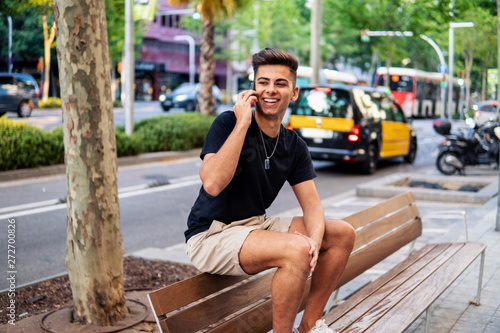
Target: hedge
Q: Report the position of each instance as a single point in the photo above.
(25, 146)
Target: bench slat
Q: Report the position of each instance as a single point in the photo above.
(371, 214)
(179, 294)
(446, 261)
(422, 296)
(385, 225)
(379, 250)
(373, 305)
(257, 319)
(220, 306)
(361, 295)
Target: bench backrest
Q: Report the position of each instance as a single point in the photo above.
(243, 304)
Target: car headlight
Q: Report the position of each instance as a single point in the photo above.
(162, 98)
(180, 98)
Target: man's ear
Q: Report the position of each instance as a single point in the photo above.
(295, 94)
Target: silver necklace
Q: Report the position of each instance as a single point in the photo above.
(267, 165)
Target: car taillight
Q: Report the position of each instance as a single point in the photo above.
(494, 103)
(37, 93)
(477, 114)
(323, 89)
(354, 134)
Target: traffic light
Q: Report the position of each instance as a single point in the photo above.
(196, 16)
(365, 38)
(443, 81)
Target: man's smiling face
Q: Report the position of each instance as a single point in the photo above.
(275, 87)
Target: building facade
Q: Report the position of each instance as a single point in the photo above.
(163, 63)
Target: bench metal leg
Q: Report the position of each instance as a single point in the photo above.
(477, 301)
(427, 319)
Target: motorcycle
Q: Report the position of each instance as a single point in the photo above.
(473, 146)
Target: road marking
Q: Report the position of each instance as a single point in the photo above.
(128, 192)
(30, 205)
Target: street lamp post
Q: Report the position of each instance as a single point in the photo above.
(9, 19)
(128, 69)
(442, 69)
(453, 25)
(192, 65)
(316, 17)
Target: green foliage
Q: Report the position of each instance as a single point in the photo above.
(26, 43)
(117, 103)
(125, 145)
(25, 146)
(51, 103)
(176, 132)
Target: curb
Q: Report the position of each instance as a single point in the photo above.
(60, 169)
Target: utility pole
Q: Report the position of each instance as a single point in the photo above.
(316, 17)
(497, 225)
(9, 19)
(128, 68)
(453, 25)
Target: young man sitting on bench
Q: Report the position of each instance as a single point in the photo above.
(247, 157)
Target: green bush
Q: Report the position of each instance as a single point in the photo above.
(117, 103)
(51, 103)
(125, 145)
(25, 146)
(172, 133)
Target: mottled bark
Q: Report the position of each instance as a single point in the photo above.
(206, 100)
(94, 253)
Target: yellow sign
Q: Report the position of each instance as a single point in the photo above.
(144, 10)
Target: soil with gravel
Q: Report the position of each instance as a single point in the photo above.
(139, 274)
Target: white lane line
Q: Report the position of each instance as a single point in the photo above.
(121, 195)
(30, 205)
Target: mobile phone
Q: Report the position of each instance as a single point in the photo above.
(253, 88)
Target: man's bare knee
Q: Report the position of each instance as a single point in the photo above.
(297, 254)
(339, 234)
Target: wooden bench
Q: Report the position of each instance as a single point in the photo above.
(390, 303)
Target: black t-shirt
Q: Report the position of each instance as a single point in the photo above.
(253, 188)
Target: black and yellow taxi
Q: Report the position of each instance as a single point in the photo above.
(352, 124)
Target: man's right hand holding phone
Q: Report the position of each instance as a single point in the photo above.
(243, 107)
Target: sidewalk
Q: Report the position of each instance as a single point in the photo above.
(452, 312)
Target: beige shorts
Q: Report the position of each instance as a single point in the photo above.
(217, 250)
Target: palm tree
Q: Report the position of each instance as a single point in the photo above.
(210, 11)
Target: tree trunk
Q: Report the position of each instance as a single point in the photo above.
(94, 252)
(206, 100)
(47, 42)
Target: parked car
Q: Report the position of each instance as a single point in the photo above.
(352, 124)
(18, 93)
(185, 96)
(485, 111)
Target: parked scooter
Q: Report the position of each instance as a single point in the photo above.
(473, 146)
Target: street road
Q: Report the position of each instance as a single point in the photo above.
(155, 200)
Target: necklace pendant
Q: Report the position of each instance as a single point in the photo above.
(266, 164)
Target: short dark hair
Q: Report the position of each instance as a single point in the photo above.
(269, 56)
